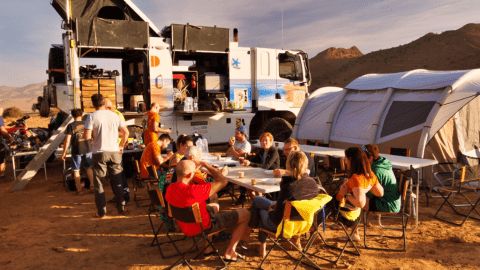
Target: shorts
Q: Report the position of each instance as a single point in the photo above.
(225, 220)
(77, 161)
(372, 205)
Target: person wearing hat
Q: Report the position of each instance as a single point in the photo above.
(239, 146)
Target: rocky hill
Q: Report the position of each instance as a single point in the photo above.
(21, 97)
(450, 50)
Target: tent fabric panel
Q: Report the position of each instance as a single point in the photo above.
(405, 114)
(318, 108)
(419, 79)
(130, 34)
(354, 120)
(454, 102)
(467, 126)
(377, 95)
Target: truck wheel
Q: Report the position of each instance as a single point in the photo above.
(279, 127)
(44, 108)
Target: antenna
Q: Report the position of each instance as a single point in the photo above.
(282, 27)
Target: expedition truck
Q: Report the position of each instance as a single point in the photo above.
(262, 89)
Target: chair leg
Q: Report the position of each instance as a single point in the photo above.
(446, 201)
(403, 236)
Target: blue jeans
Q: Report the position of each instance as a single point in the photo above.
(259, 217)
(77, 161)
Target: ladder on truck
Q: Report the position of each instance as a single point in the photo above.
(41, 157)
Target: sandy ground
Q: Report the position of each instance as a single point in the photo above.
(45, 227)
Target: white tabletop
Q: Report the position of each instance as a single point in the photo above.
(398, 162)
(254, 173)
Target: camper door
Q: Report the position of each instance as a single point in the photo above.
(265, 78)
(161, 83)
(292, 78)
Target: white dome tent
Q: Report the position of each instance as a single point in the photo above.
(435, 114)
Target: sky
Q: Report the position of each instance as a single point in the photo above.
(29, 27)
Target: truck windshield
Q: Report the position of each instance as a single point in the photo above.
(290, 67)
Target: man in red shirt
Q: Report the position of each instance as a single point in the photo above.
(182, 194)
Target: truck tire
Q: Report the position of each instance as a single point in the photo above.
(44, 108)
(279, 127)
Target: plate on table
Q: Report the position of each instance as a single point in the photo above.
(269, 181)
(269, 172)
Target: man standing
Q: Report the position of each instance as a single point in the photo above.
(4, 133)
(182, 194)
(126, 191)
(152, 155)
(103, 126)
(81, 149)
(151, 124)
(289, 146)
(239, 146)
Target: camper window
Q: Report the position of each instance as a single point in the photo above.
(405, 114)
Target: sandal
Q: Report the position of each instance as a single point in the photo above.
(240, 258)
(96, 215)
(80, 192)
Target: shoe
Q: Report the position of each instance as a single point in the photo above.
(124, 212)
(113, 200)
(241, 200)
(240, 258)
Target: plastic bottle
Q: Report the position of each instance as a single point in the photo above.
(205, 145)
(195, 105)
(135, 144)
(198, 143)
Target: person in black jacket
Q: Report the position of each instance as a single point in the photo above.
(267, 158)
(298, 185)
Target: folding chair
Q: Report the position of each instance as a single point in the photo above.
(159, 210)
(335, 173)
(137, 179)
(468, 174)
(191, 214)
(403, 187)
(276, 240)
(343, 249)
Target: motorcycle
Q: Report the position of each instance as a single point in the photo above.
(24, 137)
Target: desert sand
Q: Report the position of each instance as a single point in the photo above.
(45, 227)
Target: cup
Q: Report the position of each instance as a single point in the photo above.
(219, 157)
(241, 174)
(241, 159)
(254, 182)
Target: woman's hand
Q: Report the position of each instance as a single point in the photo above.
(246, 162)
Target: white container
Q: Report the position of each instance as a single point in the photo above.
(188, 104)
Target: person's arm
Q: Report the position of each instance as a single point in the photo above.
(66, 144)
(377, 190)
(219, 182)
(124, 138)
(5, 133)
(358, 197)
(157, 128)
(87, 134)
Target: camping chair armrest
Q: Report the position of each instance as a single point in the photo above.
(468, 187)
(447, 190)
(267, 232)
(215, 233)
(470, 180)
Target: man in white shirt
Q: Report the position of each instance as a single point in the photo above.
(102, 127)
(239, 146)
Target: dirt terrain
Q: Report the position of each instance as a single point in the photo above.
(45, 227)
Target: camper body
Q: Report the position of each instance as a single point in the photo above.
(262, 89)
